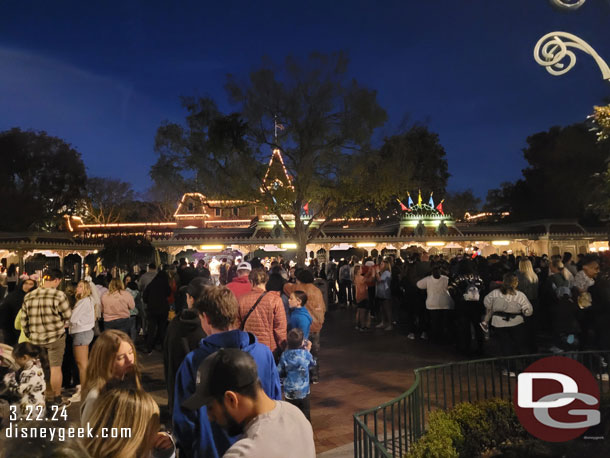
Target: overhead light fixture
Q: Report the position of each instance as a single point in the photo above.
(500, 243)
(366, 245)
(211, 247)
(289, 246)
(435, 243)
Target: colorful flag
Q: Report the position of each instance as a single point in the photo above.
(431, 201)
(419, 198)
(439, 207)
(410, 201)
(306, 208)
(402, 206)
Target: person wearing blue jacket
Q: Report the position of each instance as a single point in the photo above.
(299, 315)
(196, 436)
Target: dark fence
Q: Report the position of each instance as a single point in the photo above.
(389, 430)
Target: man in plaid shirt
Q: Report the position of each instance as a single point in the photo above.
(44, 316)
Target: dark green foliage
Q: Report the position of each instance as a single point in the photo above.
(41, 178)
(565, 167)
(468, 430)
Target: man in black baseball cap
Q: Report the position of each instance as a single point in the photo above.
(228, 385)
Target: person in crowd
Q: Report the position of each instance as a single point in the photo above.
(345, 284)
(438, 304)
(69, 368)
(361, 283)
(316, 307)
(261, 312)
(507, 307)
(116, 306)
(143, 282)
(276, 283)
(600, 294)
(82, 322)
(466, 289)
(44, 316)
(529, 285)
(215, 270)
(331, 278)
(12, 278)
(299, 316)
(184, 333)
(132, 288)
(569, 263)
(156, 298)
(10, 308)
(229, 386)
(133, 410)
(113, 359)
(27, 386)
(383, 294)
(241, 285)
(294, 367)
(196, 434)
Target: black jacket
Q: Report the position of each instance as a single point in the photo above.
(184, 333)
(8, 312)
(156, 294)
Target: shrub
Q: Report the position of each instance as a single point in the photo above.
(467, 430)
(440, 440)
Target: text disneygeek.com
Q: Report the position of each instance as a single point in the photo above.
(62, 433)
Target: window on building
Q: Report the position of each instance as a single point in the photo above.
(252, 211)
(235, 211)
(217, 212)
(191, 207)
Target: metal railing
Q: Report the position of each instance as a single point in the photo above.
(389, 430)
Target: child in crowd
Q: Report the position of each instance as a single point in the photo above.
(27, 385)
(294, 366)
(299, 316)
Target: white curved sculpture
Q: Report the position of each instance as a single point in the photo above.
(553, 49)
(568, 4)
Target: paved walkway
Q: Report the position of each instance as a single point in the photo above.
(358, 370)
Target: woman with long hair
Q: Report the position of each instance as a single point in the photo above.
(507, 307)
(116, 306)
(126, 409)
(82, 322)
(113, 358)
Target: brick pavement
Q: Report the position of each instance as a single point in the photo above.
(358, 370)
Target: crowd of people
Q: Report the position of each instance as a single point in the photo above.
(241, 348)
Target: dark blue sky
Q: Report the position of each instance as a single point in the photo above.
(104, 77)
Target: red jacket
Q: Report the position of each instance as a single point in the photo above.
(268, 320)
(240, 286)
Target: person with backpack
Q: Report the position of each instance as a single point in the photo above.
(466, 289)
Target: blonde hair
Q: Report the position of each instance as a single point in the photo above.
(116, 285)
(124, 408)
(525, 267)
(86, 290)
(102, 357)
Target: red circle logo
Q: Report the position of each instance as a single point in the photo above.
(557, 399)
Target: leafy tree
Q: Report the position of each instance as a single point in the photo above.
(106, 200)
(406, 162)
(325, 122)
(458, 203)
(565, 166)
(41, 179)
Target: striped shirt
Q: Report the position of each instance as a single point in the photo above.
(44, 315)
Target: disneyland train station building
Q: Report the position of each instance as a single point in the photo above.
(204, 227)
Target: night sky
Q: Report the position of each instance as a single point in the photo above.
(104, 78)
